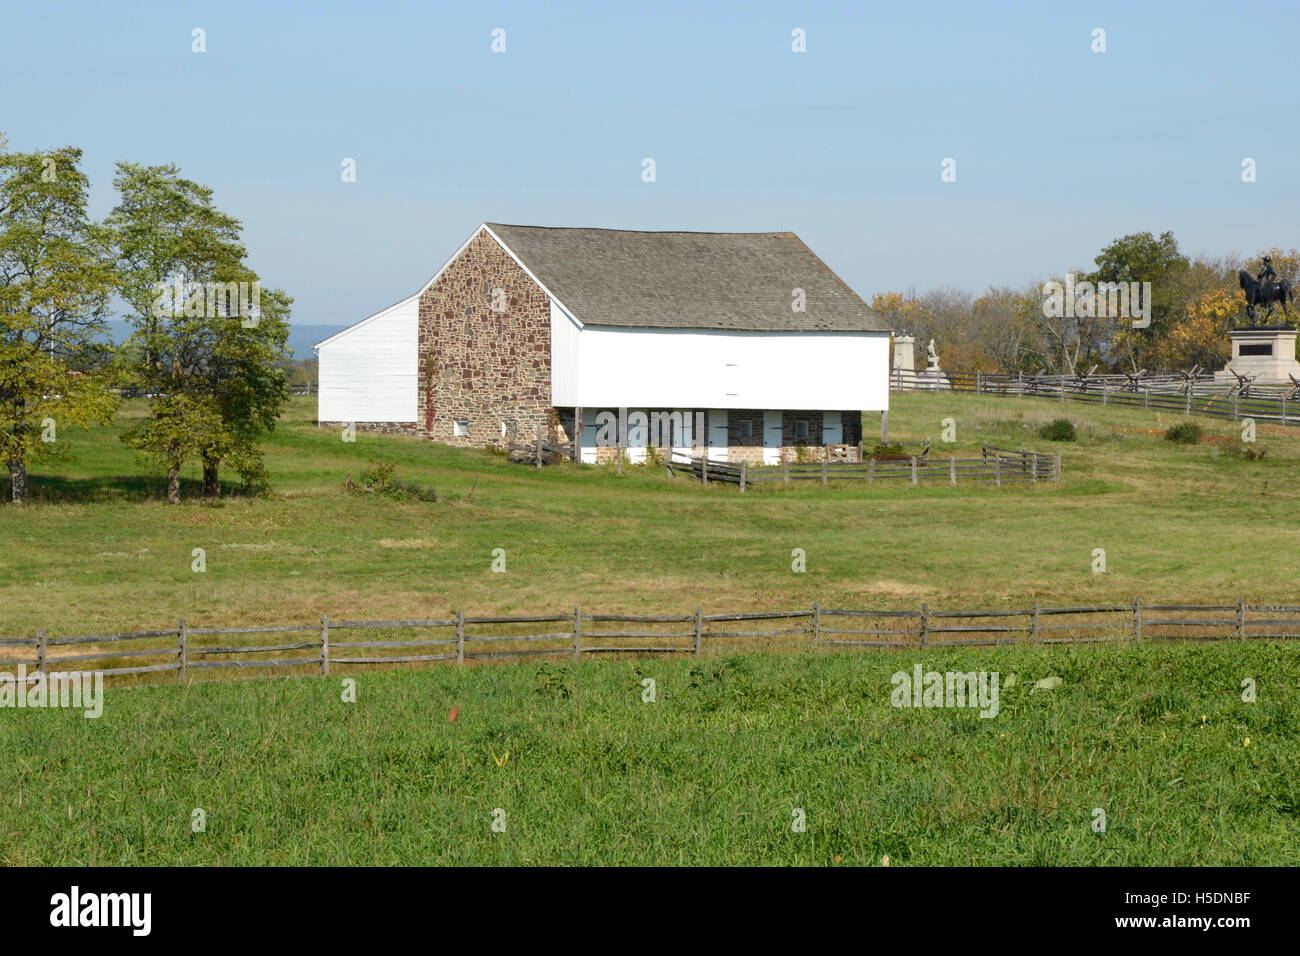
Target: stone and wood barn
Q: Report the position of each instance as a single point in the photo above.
(528, 325)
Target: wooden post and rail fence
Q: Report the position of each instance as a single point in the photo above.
(316, 647)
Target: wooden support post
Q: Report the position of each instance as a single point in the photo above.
(997, 471)
(699, 630)
(1058, 467)
(577, 633)
(860, 447)
(577, 435)
(1283, 409)
(324, 645)
(1033, 631)
(884, 427)
(1146, 401)
(978, 388)
(786, 465)
(952, 469)
(913, 469)
(817, 622)
(826, 463)
(1105, 392)
(1241, 619)
(925, 625)
(1137, 619)
(1234, 406)
(1020, 384)
(460, 638)
(1187, 407)
(744, 472)
(871, 471)
(41, 650)
(182, 652)
(1033, 474)
(704, 467)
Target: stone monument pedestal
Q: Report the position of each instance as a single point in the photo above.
(1266, 352)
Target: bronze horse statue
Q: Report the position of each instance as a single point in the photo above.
(1265, 293)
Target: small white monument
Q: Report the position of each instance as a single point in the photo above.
(904, 355)
(933, 377)
(1262, 353)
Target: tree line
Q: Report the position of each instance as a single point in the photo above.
(207, 343)
(1194, 301)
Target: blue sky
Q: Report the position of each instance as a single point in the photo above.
(1058, 149)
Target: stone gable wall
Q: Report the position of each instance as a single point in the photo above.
(481, 365)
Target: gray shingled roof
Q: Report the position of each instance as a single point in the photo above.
(689, 280)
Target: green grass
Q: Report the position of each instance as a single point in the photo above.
(1153, 734)
(101, 552)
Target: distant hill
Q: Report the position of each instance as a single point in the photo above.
(301, 337)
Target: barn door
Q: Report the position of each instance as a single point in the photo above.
(772, 438)
(832, 428)
(717, 434)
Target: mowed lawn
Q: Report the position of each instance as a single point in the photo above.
(579, 769)
(98, 551)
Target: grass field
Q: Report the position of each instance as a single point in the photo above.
(101, 552)
(1155, 735)
(711, 772)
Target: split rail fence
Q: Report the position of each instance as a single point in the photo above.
(996, 465)
(1184, 393)
(317, 647)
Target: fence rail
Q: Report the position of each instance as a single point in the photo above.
(1188, 392)
(996, 465)
(573, 636)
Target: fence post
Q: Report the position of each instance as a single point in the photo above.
(40, 650)
(1241, 619)
(1105, 392)
(1283, 409)
(577, 633)
(997, 471)
(1137, 619)
(699, 630)
(744, 470)
(913, 469)
(324, 645)
(826, 463)
(860, 440)
(1187, 406)
(704, 467)
(182, 652)
(977, 383)
(1234, 406)
(460, 638)
(1146, 401)
(1058, 467)
(871, 471)
(786, 464)
(817, 622)
(952, 469)
(1020, 384)
(1034, 626)
(1033, 474)
(925, 624)
(539, 445)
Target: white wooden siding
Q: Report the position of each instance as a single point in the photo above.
(564, 357)
(670, 368)
(369, 372)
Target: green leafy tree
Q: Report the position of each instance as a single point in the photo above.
(207, 343)
(55, 285)
(1142, 257)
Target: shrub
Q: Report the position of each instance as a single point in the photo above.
(1185, 433)
(381, 479)
(1058, 429)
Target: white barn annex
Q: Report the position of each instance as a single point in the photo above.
(528, 326)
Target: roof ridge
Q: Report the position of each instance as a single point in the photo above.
(643, 232)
